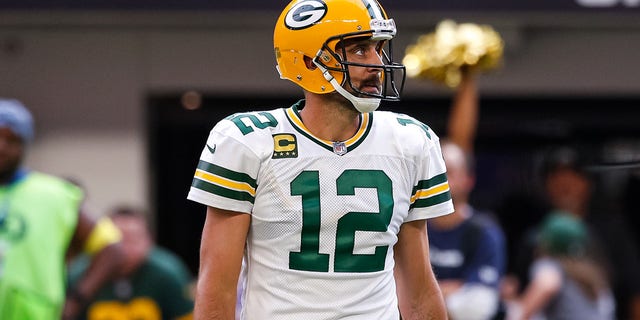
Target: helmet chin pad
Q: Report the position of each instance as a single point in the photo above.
(364, 105)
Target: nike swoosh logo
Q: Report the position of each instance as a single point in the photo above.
(212, 150)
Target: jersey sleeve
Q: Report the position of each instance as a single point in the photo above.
(226, 173)
(431, 196)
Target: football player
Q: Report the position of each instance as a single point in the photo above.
(325, 200)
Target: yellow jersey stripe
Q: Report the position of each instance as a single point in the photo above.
(229, 184)
(422, 194)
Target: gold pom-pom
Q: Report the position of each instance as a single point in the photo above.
(442, 54)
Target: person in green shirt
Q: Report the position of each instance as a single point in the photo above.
(42, 224)
(154, 283)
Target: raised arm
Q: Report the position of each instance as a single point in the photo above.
(221, 250)
(418, 292)
(463, 117)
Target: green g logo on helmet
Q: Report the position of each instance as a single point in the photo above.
(304, 14)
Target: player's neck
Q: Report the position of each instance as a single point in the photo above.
(328, 119)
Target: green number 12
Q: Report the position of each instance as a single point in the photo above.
(307, 185)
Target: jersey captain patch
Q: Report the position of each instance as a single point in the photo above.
(285, 145)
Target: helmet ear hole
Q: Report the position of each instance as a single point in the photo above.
(308, 62)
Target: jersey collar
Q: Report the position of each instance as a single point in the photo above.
(366, 122)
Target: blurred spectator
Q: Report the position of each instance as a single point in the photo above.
(467, 247)
(42, 223)
(154, 283)
(570, 187)
(566, 283)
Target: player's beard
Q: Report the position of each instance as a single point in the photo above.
(371, 81)
(343, 102)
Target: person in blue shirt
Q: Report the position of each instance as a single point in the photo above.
(468, 252)
(467, 248)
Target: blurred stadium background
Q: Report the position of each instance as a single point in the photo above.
(124, 92)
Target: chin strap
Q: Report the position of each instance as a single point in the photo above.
(364, 105)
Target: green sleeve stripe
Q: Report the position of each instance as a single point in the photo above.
(436, 180)
(432, 201)
(226, 173)
(222, 191)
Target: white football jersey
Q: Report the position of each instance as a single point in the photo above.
(325, 215)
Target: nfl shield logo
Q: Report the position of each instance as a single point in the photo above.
(339, 148)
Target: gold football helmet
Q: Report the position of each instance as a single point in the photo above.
(314, 28)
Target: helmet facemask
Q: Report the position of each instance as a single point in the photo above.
(332, 61)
